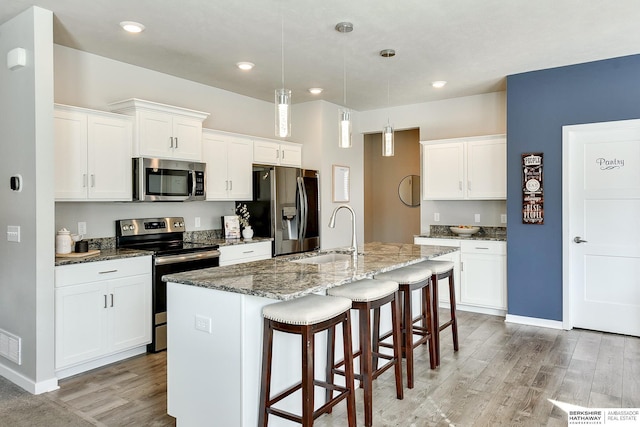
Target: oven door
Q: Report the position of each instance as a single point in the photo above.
(170, 265)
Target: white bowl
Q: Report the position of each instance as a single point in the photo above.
(464, 231)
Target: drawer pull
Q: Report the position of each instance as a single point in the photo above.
(108, 271)
(478, 247)
(111, 300)
(248, 252)
(105, 301)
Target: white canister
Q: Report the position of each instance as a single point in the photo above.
(63, 241)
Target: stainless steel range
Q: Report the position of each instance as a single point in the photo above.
(164, 237)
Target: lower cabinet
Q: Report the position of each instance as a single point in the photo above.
(246, 252)
(479, 272)
(101, 308)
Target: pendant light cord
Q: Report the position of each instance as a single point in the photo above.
(282, 41)
(344, 73)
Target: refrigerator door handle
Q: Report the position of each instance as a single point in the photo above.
(302, 194)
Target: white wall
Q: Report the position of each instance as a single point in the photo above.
(26, 268)
(451, 118)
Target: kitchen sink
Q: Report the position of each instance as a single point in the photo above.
(323, 259)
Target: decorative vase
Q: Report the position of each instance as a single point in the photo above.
(247, 232)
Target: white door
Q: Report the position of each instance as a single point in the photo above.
(601, 226)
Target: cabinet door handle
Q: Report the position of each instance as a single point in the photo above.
(176, 142)
(105, 301)
(469, 185)
(170, 142)
(460, 185)
(230, 185)
(84, 179)
(93, 180)
(111, 300)
(277, 154)
(107, 271)
(461, 266)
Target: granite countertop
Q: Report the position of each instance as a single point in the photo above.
(279, 278)
(104, 255)
(498, 234)
(229, 242)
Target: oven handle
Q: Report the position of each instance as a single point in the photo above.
(174, 259)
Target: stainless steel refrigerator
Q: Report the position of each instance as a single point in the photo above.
(286, 207)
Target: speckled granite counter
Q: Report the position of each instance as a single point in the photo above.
(498, 234)
(104, 255)
(279, 278)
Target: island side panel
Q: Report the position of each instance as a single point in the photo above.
(203, 369)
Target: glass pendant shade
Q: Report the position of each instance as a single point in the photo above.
(344, 130)
(283, 113)
(387, 141)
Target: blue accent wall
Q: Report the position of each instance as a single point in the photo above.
(539, 103)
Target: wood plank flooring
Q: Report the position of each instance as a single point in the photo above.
(504, 374)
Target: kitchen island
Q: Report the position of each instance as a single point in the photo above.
(215, 328)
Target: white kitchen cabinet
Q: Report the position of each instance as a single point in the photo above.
(246, 252)
(229, 161)
(479, 274)
(164, 131)
(269, 152)
(101, 308)
(465, 168)
(484, 274)
(92, 155)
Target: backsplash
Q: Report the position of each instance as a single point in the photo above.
(490, 232)
(104, 243)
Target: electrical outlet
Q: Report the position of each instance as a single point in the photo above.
(197, 222)
(477, 218)
(436, 217)
(82, 228)
(203, 323)
(503, 218)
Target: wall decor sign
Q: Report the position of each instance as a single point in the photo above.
(341, 183)
(532, 189)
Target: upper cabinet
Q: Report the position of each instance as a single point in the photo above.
(164, 131)
(465, 168)
(267, 152)
(92, 155)
(229, 160)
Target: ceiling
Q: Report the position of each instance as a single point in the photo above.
(471, 44)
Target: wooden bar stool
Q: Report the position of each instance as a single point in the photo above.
(367, 295)
(306, 316)
(442, 270)
(410, 280)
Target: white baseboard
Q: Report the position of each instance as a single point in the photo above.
(28, 384)
(477, 309)
(534, 321)
(93, 364)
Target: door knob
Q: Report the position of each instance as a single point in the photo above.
(577, 239)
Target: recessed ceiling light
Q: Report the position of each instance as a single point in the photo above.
(132, 27)
(438, 83)
(315, 90)
(245, 66)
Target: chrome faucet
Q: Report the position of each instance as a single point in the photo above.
(332, 224)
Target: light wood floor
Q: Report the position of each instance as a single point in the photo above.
(504, 374)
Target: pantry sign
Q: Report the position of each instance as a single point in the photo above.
(532, 189)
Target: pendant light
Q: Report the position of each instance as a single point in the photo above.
(387, 130)
(344, 122)
(283, 96)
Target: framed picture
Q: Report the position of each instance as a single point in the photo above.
(341, 183)
(231, 226)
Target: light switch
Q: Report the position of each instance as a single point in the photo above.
(436, 217)
(503, 218)
(197, 222)
(13, 233)
(82, 228)
(203, 323)
(477, 218)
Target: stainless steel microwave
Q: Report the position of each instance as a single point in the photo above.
(161, 180)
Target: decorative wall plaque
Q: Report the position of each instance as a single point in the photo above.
(532, 189)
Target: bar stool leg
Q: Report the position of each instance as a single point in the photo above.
(348, 370)
(397, 350)
(365, 363)
(307, 376)
(265, 389)
(436, 318)
(407, 329)
(454, 320)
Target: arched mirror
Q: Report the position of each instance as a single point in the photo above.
(409, 190)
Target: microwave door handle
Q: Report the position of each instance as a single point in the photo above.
(192, 175)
